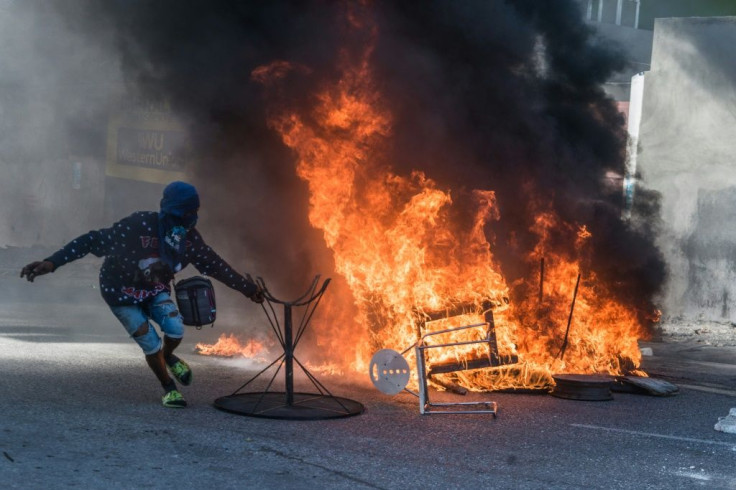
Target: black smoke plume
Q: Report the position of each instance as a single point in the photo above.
(490, 94)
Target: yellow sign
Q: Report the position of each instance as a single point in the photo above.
(146, 141)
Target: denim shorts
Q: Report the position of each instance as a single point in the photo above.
(162, 310)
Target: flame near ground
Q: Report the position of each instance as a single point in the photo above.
(400, 248)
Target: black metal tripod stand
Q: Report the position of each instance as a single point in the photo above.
(290, 404)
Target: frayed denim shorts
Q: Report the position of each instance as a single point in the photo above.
(162, 310)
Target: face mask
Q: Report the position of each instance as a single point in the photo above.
(175, 236)
(189, 222)
(188, 219)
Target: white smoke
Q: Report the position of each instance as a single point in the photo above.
(54, 89)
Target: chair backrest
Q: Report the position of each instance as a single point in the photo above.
(489, 358)
(389, 371)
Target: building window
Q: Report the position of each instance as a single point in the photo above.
(619, 12)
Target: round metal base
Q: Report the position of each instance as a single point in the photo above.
(584, 387)
(306, 406)
(389, 371)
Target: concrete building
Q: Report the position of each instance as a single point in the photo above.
(679, 92)
(630, 24)
(687, 153)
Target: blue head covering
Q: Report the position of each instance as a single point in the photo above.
(179, 198)
(177, 216)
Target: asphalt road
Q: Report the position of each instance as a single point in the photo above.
(79, 408)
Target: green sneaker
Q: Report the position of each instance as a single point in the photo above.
(180, 370)
(173, 399)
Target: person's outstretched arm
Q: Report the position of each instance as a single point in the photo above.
(209, 263)
(97, 242)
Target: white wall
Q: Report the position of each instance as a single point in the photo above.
(687, 152)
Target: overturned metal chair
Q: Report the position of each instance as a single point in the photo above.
(389, 370)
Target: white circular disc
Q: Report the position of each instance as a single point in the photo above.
(389, 371)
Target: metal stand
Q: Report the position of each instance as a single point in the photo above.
(425, 406)
(289, 404)
(389, 370)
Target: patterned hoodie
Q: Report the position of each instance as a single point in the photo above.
(130, 247)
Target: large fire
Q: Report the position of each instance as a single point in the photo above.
(400, 250)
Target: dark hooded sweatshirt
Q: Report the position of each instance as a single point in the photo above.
(130, 246)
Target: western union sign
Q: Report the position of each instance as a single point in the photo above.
(145, 141)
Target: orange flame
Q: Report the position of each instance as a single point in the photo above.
(400, 251)
(230, 346)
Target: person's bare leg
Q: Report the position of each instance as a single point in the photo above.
(172, 398)
(178, 367)
(169, 346)
(156, 361)
(158, 366)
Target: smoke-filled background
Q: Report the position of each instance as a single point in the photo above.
(501, 95)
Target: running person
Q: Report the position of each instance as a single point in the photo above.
(142, 253)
